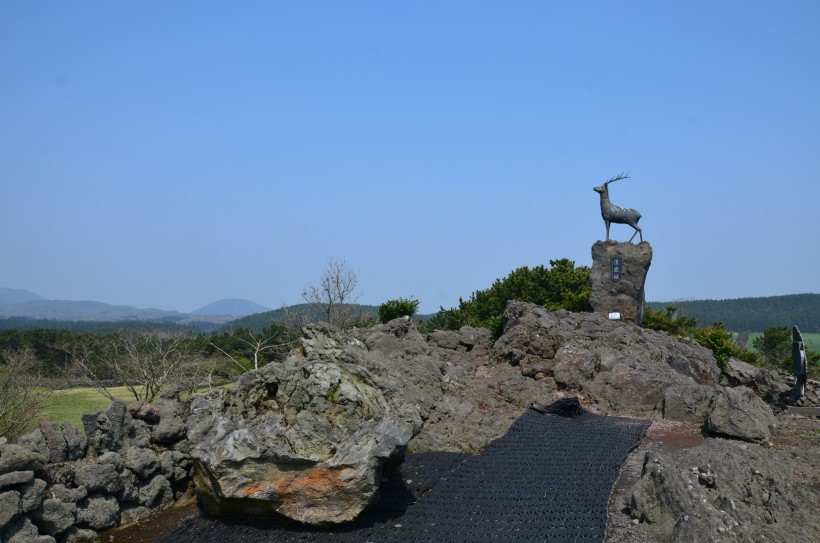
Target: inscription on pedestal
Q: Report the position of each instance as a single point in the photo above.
(616, 266)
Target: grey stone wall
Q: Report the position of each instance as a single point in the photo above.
(58, 484)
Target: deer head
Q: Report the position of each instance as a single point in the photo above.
(605, 187)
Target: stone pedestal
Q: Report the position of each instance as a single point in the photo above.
(617, 279)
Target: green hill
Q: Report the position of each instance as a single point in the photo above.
(754, 314)
(295, 314)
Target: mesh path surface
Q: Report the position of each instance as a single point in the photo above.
(548, 478)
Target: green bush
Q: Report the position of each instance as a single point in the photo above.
(401, 307)
(715, 337)
(719, 340)
(669, 321)
(562, 286)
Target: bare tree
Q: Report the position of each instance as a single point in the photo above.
(143, 363)
(21, 402)
(335, 296)
(259, 344)
(296, 317)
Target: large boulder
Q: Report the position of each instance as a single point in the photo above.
(740, 413)
(305, 438)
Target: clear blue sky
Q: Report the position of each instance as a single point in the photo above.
(169, 154)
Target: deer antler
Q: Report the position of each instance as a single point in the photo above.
(617, 178)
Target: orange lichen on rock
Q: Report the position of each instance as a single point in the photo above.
(320, 481)
(253, 490)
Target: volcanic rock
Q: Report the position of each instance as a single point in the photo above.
(721, 492)
(617, 279)
(624, 368)
(305, 438)
(739, 413)
(114, 429)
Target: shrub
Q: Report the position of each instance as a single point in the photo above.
(720, 341)
(669, 321)
(562, 286)
(715, 337)
(393, 309)
(445, 319)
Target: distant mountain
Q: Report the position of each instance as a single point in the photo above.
(10, 296)
(235, 307)
(72, 310)
(64, 311)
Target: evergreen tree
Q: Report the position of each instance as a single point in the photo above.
(775, 346)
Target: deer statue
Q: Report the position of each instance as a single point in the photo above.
(619, 215)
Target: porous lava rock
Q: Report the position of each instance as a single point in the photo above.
(449, 380)
(304, 438)
(622, 367)
(719, 491)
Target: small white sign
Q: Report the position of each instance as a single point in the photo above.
(615, 316)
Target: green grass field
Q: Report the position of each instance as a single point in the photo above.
(70, 404)
(812, 340)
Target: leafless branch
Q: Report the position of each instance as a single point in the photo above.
(20, 401)
(335, 296)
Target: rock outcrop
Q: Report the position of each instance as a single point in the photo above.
(621, 367)
(468, 390)
(304, 439)
(627, 369)
(721, 492)
(449, 380)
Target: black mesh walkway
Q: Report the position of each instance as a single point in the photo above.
(548, 479)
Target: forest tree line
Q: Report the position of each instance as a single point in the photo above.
(753, 314)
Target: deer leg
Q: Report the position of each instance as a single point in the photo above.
(637, 231)
(607, 230)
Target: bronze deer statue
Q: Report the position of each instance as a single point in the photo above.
(619, 215)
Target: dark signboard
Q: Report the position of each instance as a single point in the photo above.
(617, 267)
